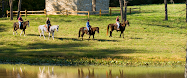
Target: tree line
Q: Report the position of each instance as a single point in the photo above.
(115, 3)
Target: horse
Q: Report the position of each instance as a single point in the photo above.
(84, 30)
(51, 30)
(114, 27)
(23, 26)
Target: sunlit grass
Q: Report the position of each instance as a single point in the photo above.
(148, 38)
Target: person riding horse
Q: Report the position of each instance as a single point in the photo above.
(48, 24)
(88, 26)
(20, 21)
(117, 22)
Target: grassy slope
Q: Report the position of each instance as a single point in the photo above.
(149, 38)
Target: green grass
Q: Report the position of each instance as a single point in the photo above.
(148, 40)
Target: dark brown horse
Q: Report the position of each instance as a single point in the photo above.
(23, 27)
(85, 31)
(114, 27)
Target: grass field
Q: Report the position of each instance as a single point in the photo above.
(148, 40)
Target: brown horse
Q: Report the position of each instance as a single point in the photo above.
(85, 31)
(114, 27)
(23, 27)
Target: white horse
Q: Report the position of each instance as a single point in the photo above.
(51, 30)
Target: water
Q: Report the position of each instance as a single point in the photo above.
(26, 71)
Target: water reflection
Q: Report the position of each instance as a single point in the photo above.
(48, 74)
(87, 72)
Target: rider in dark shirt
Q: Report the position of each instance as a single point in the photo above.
(88, 26)
(48, 24)
(20, 20)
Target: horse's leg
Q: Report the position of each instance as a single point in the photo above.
(40, 34)
(93, 36)
(43, 34)
(110, 34)
(121, 34)
(82, 35)
(24, 32)
(53, 35)
(13, 32)
(21, 33)
(49, 35)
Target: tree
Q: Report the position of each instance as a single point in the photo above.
(186, 10)
(121, 9)
(186, 62)
(166, 14)
(11, 9)
(125, 8)
(93, 5)
(19, 8)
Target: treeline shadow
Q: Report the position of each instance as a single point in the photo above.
(80, 39)
(41, 53)
(3, 27)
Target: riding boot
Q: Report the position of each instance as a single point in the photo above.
(88, 32)
(48, 29)
(118, 28)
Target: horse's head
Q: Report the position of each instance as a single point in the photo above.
(127, 22)
(97, 29)
(26, 23)
(57, 28)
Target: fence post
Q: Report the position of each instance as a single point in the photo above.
(110, 12)
(139, 9)
(66, 13)
(130, 10)
(100, 13)
(7, 13)
(45, 12)
(25, 13)
(88, 14)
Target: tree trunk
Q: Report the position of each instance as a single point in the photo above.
(19, 8)
(3, 7)
(11, 9)
(121, 9)
(186, 10)
(186, 63)
(125, 8)
(93, 5)
(166, 13)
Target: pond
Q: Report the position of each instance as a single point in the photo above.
(30, 71)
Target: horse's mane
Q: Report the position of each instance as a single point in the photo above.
(94, 28)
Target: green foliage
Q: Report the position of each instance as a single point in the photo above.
(115, 3)
(30, 5)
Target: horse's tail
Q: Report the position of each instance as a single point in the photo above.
(79, 32)
(14, 26)
(107, 30)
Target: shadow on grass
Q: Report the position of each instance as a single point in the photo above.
(166, 26)
(33, 35)
(38, 53)
(2, 27)
(74, 39)
(79, 39)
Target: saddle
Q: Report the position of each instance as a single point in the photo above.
(46, 26)
(85, 28)
(21, 27)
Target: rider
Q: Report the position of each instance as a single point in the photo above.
(117, 22)
(48, 24)
(88, 26)
(20, 21)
